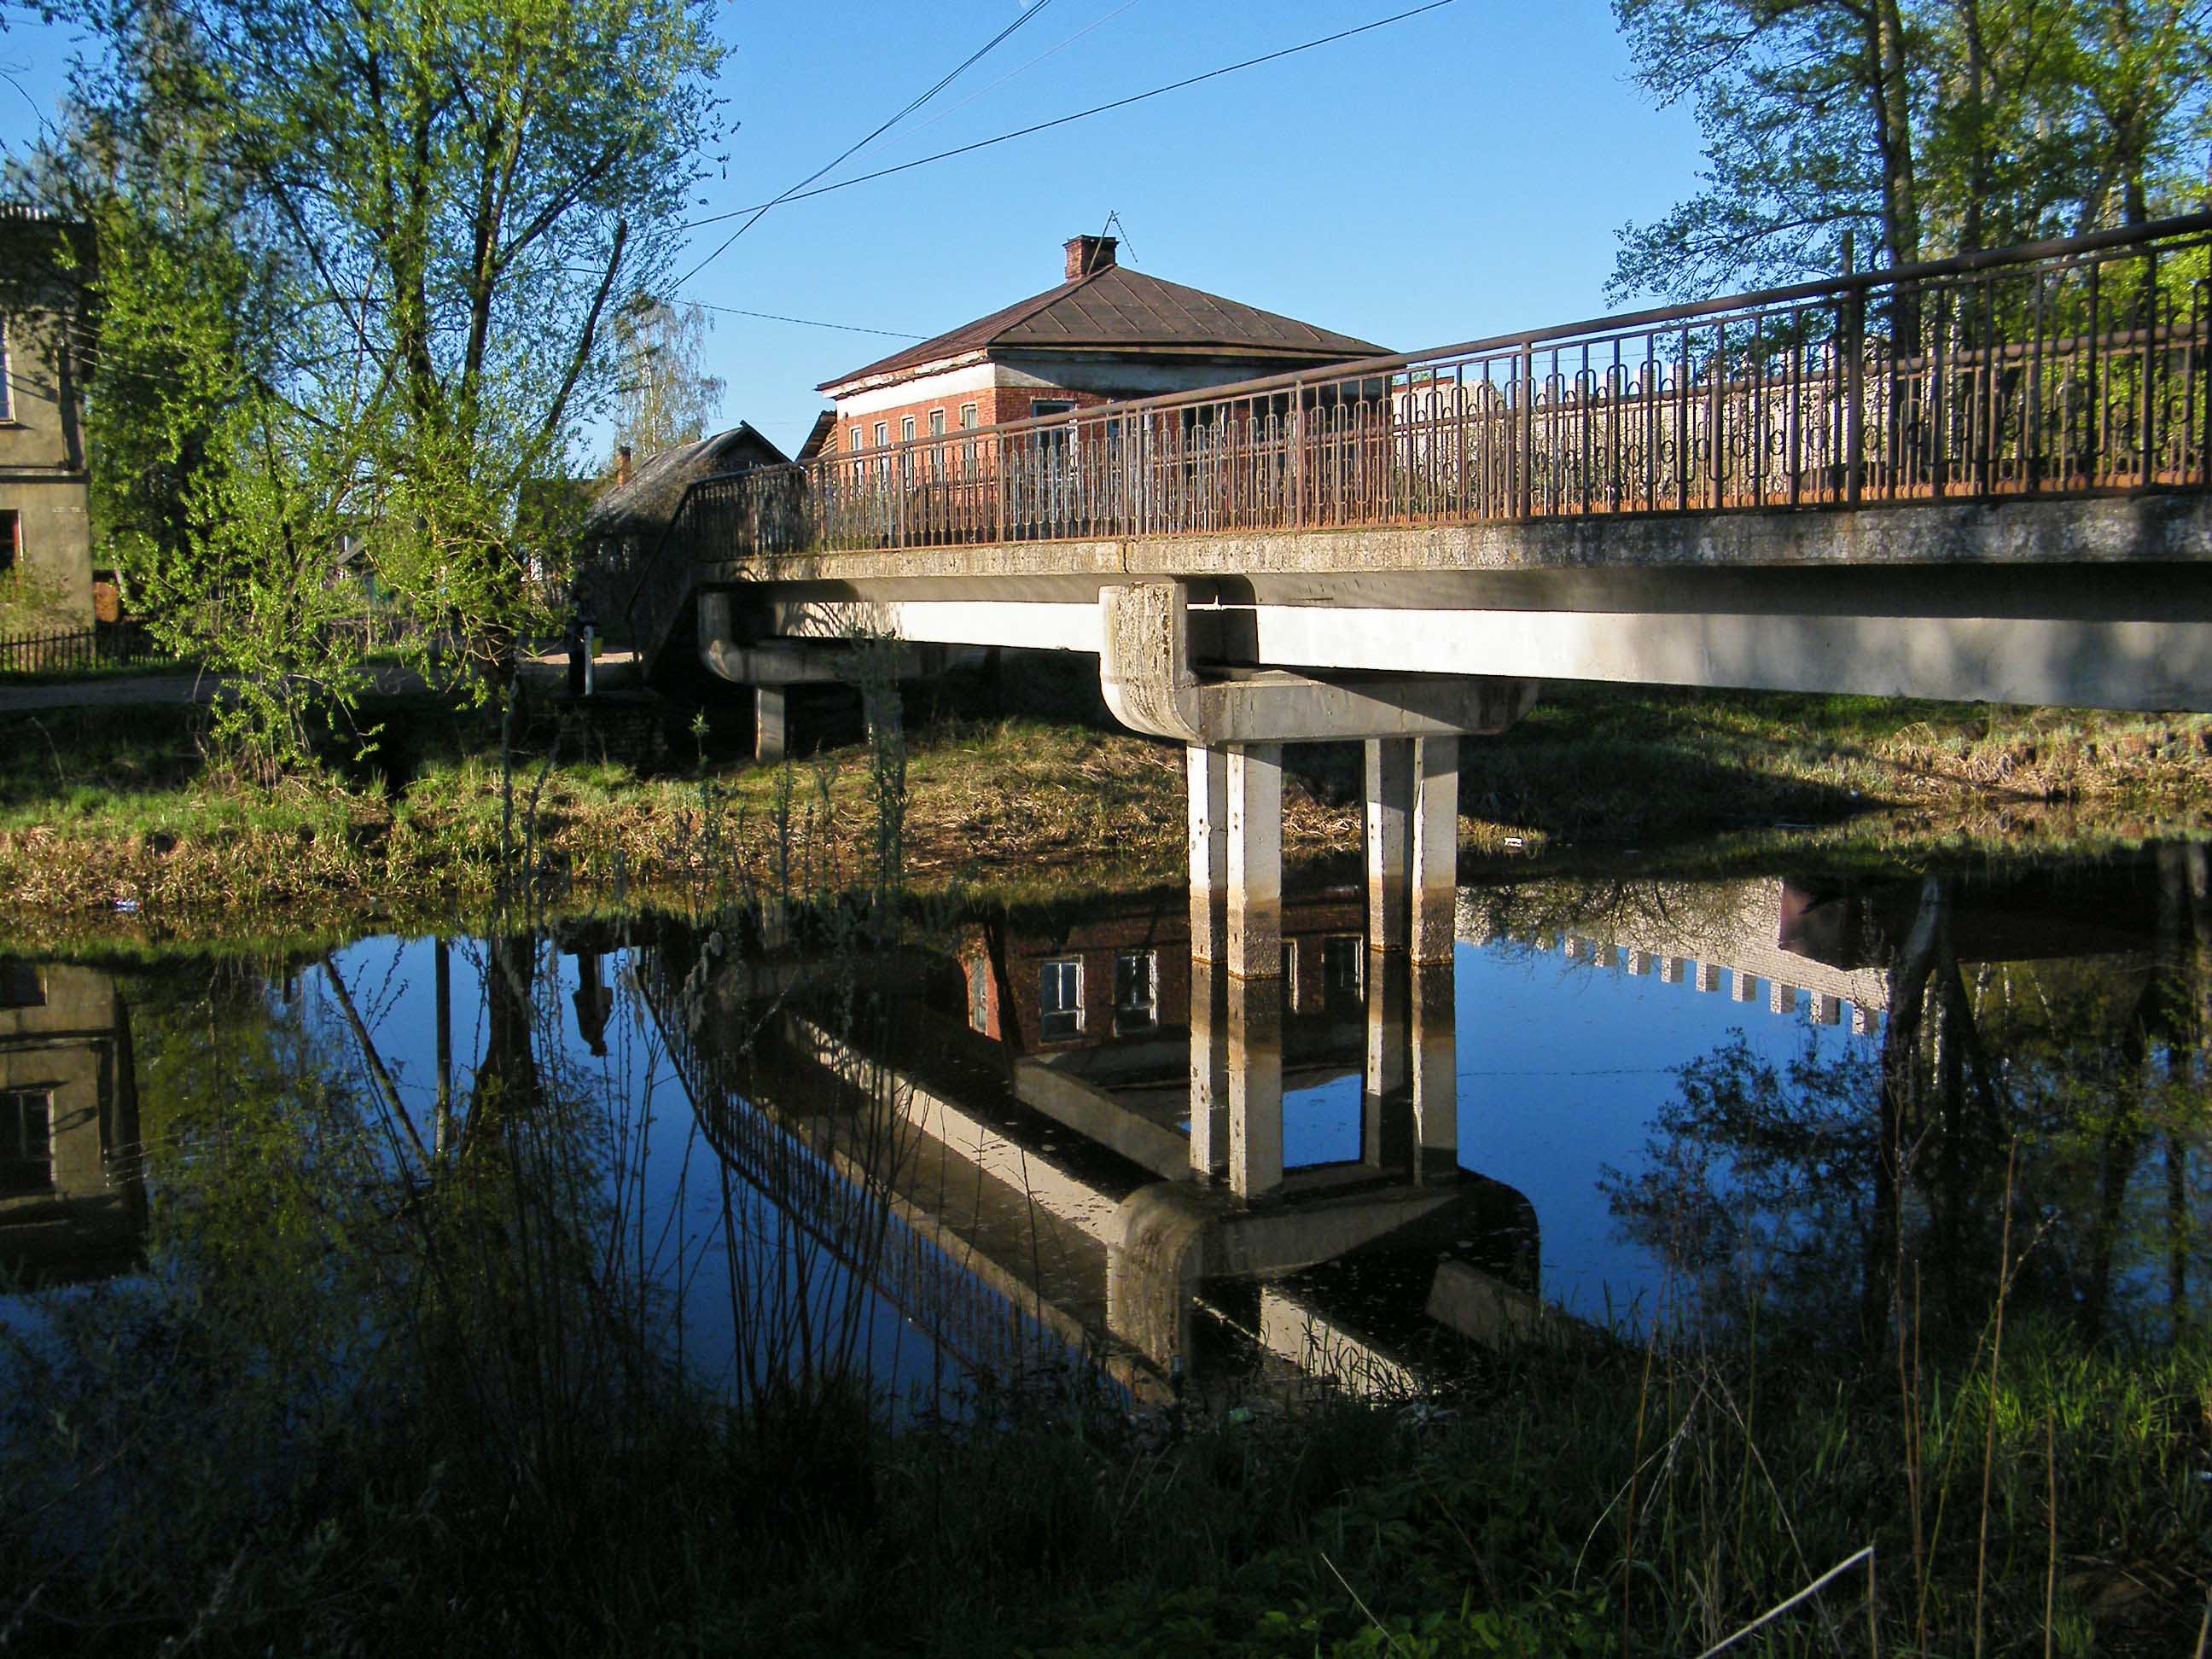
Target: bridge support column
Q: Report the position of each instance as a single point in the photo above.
(771, 724)
(1254, 1062)
(1209, 855)
(1385, 1140)
(1209, 1069)
(1254, 779)
(1435, 878)
(1436, 1072)
(1388, 833)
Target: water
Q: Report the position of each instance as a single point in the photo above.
(1631, 1104)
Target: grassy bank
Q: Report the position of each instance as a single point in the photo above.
(102, 806)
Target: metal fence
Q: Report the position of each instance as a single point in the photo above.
(68, 650)
(2067, 366)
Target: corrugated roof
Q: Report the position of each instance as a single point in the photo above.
(1116, 309)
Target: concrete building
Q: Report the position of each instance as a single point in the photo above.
(46, 539)
(1105, 333)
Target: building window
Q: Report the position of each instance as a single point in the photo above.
(1040, 407)
(7, 373)
(1136, 990)
(859, 439)
(1342, 959)
(11, 542)
(967, 417)
(937, 423)
(967, 450)
(19, 986)
(1059, 1000)
(27, 1149)
(883, 435)
(979, 996)
(906, 428)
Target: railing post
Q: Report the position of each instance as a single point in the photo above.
(1298, 437)
(2148, 436)
(1525, 486)
(1854, 366)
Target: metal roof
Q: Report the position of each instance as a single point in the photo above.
(1115, 309)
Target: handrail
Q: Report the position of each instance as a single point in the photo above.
(2081, 364)
(1865, 282)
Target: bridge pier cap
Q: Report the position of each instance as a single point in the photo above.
(1152, 684)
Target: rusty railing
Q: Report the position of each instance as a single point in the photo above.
(2061, 367)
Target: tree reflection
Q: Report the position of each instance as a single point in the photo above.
(1861, 1191)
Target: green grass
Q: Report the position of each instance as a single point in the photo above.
(97, 804)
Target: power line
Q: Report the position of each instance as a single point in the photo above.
(924, 126)
(807, 322)
(1058, 121)
(759, 212)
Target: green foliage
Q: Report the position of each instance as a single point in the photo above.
(355, 269)
(1919, 127)
(665, 398)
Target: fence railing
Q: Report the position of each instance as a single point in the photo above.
(68, 650)
(2062, 368)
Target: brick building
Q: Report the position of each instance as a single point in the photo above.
(1104, 334)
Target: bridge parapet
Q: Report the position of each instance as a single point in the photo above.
(2058, 368)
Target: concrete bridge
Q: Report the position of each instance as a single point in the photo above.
(1983, 479)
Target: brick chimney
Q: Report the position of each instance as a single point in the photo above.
(1088, 253)
(622, 464)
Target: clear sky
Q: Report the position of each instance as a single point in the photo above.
(1458, 174)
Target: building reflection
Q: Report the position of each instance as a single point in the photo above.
(1089, 1120)
(72, 1199)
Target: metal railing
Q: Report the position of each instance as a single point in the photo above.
(60, 651)
(2062, 367)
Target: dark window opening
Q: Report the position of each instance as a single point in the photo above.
(1136, 990)
(27, 1151)
(21, 986)
(1342, 960)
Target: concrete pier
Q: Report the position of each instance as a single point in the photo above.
(771, 724)
(1208, 783)
(1386, 1100)
(1255, 1064)
(1435, 877)
(1388, 833)
(1254, 788)
(1209, 1067)
(1435, 1071)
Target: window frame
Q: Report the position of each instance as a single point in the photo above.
(1068, 973)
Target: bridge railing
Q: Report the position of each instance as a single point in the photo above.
(2062, 367)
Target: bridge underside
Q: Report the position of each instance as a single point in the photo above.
(2100, 602)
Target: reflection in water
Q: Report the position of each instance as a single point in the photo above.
(1044, 1137)
(72, 1202)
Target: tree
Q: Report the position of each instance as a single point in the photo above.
(666, 398)
(417, 219)
(1915, 127)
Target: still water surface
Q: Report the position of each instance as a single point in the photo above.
(1626, 1104)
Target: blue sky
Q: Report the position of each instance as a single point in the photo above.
(1458, 174)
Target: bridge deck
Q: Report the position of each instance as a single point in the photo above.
(2037, 407)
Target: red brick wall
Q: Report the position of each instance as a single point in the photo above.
(995, 406)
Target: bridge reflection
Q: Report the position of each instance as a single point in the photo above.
(1107, 1174)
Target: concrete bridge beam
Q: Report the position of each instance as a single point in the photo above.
(1153, 682)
